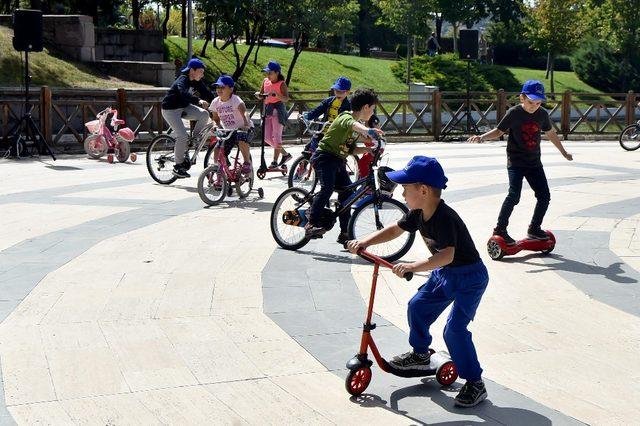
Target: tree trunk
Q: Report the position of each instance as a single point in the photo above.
(255, 56)
(455, 37)
(363, 39)
(183, 30)
(135, 13)
(552, 64)
(165, 21)
(207, 32)
(227, 43)
(297, 50)
(250, 39)
(408, 60)
(546, 76)
(215, 33)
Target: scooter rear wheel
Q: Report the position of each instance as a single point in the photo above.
(494, 250)
(447, 373)
(358, 380)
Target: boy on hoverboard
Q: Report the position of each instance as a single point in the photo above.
(525, 122)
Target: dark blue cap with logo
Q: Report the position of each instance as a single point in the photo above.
(194, 63)
(534, 90)
(342, 83)
(272, 66)
(420, 169)
(224, 80)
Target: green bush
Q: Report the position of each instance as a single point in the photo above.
(450, 74)
(596, 63)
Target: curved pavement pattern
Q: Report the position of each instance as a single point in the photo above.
(122, 301)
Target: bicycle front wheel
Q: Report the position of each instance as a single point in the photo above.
(290, 205)
(302, 175)
(160, 159)
(212, 185)
(388, 212)
(630, 137)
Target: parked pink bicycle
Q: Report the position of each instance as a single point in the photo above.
(102, 140)
(215, 182)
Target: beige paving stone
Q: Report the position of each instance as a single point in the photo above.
(43, 414)
(137, 296)
(280, 357)
(26, 377)
(263, 402)
(122, 409)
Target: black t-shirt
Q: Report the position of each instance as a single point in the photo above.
(443, 229)
(523, 146)
(184, 92)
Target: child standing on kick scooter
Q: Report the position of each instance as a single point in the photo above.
(274, 93)
(229, 111)
(329, 160)
(524, 123)
(330, 108)
(457, 275)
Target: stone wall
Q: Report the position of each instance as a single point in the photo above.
(73, 35)
(129, 45)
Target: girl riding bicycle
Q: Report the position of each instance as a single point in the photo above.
(230, 112)
(180, 101)
(274, 93)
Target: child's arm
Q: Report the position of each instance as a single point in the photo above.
(382, 236)
(315, 113)
(438, 260)
(491, 134)
(243, 111)
(553, 137)
(367, 132)
(216, 118)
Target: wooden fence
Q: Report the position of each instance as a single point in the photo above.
(434, 116)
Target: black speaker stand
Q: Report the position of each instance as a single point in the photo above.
(468, 101)
(25, 129)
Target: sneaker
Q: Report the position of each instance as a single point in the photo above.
(180, 172)
(273, 165)
(307, 149)
(411, 361)
(471, 394)
(313, 232)
(537, 234)
(246, 169)
(505, 236)
(342, 238)
(285, 158)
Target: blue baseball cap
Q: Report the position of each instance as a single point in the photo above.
(194, 63)
(224, 80)
(272, 66)
(534, 90)
(342, 83)
(420, 169)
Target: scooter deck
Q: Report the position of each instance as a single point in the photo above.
(437, 359)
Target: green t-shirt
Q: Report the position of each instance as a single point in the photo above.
(340, 139)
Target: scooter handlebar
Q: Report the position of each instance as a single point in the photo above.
(375, 259)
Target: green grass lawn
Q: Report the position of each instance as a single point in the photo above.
(313, 71)
(564, 80)
(49, 69)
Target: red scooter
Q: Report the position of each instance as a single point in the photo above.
(359, 366)
(497, 248)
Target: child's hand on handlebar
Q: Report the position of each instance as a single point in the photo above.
(354, 246)
(400, 269)
(375, 133)
(475, 139)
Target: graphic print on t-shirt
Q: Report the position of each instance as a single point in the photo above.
(227, 115)
(530, 131)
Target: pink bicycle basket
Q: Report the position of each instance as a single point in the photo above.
(126, 134)
(93, 126)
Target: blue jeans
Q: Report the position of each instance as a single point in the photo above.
(332, 173)
(538, 182)
(463, 286)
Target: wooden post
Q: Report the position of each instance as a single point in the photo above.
(565, 123)
(45, 113)
(436, 118)
(122, 104)
(630, 107)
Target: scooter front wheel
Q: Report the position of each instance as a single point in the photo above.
(447, 373)
(494, 250)
(358, 380)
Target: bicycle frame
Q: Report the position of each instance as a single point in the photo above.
(232, 173)
(204, 138)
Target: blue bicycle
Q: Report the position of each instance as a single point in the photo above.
(373, 209)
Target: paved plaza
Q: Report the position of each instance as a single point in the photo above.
(124, 302)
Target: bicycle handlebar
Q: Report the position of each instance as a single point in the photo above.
(380, 261)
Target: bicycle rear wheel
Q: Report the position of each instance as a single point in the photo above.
(389, 211)
(212, 185)
(289, 205)
(160, 159)
(302, 175)
(630, 137)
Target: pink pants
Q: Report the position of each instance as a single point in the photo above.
(273, 130)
